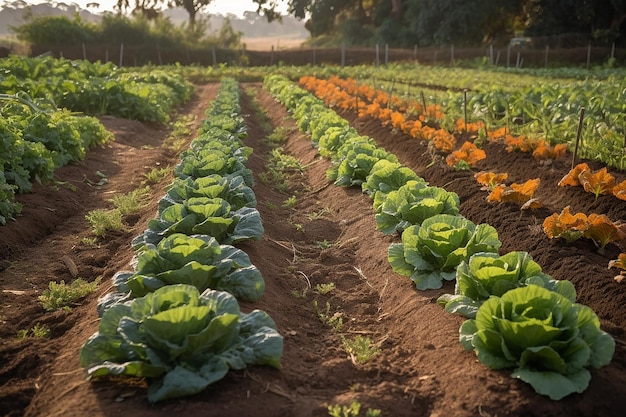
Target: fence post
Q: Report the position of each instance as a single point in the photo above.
(613, 50)
(547, 52)
(589, 55)
(106, 55)
(386, 54)
(343, 54)
(272, 56)
(121, 54)
(435, 58)
(314, 57)
(452, 55)
(518, 60)
(159, 54)
(415, 53)
(491, 54)
(377, 55)
(508, 55)
(214, 56)
(84, 52)
(497, 57)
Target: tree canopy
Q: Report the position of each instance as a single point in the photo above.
(469, 22)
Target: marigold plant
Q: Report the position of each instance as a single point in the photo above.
(544, 151)
(597, 182)
(465, 157)
(490, 180)
(517, 193)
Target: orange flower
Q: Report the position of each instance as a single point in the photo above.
(469, 153)
(490, 179)
(518, 193)
(544, 151)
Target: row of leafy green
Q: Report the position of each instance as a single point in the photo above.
(175, 319)
(146, 94)
(36, 139)
(518, 317)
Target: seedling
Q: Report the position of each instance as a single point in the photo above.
(39, 330)
(325, 288)
(323, 244)
(103, 221)
(290, 202)
(132, 202)
(157, 174)
(335, 320)
(351, 410)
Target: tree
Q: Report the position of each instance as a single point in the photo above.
(147, 8)
(192, 7)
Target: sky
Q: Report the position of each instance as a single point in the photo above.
(236, 7)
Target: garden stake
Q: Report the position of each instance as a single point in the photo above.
(580, 128)
(465, 107)
(423, 102)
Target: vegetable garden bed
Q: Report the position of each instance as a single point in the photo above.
(327, 236)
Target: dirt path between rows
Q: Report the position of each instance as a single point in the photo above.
(329, 237)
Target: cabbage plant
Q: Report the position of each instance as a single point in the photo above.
(430, 252)
(411, 204)
(206, 216)
(230, 188)
(548, 340)
(197, 260)
(386, 176)
(487, 274)
(181, 340)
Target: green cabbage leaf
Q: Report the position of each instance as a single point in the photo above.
(411, 204)
(431, 252)
(548, 340)
(181, 340)
(487, 274)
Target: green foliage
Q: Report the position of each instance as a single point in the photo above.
(387, 176)
(487, 274)
(56, 30)
(431, 252)
(411, 204)
(197, 260)
(181, 339)
(549, 340)
(60, 295)
(360, 348)
(103, 221)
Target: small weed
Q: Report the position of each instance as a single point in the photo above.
(299, 227)
(335, 320)
(351, 410)
(291, 202)
(181, 131)
(325, 288)
(360, 348)
(39, 330)
(320, 214)
(156, 175)
(132, 202)
(270, 205)
(103, 221)
(300, 293)
(264, 122)
(89, 241)
(277, 137)
(323, 244)
(61, 295)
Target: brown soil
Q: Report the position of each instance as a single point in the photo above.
(421, 370)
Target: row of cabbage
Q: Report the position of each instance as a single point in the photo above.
(175, 319)
(517, 316)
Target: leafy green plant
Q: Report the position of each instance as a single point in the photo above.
(351, 410)
(157, 174)
(548, 340)
(487, 274)
(207, 216)
(197, 260)
(60, 295)
(360, 348)
(387, 176)
(411, 204)
(431, 252)
(181, 340)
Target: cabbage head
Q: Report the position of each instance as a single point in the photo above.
(548, 340)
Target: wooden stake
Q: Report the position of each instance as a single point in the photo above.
(423, 103)
(465, 107)
(580, 129)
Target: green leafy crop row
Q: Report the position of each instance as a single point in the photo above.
(175, 319)
(518, 316)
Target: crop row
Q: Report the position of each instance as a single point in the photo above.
(175, 318)
(517, 316)
(40, 129)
